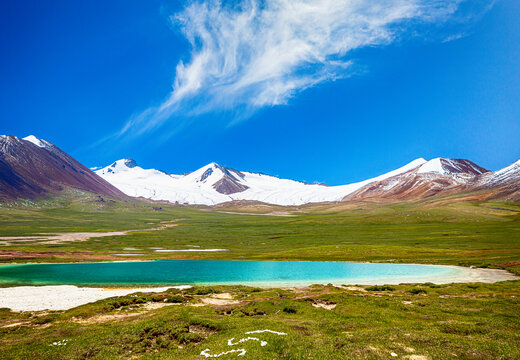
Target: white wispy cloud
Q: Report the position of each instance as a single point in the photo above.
(255, 53)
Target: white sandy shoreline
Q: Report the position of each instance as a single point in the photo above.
(64, 297)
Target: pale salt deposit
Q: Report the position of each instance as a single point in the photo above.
(62, 297)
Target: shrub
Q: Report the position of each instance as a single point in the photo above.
(380, 288)
(206, 291)
(175, 299)
(289, 310)
(417, 291)
(432, 285)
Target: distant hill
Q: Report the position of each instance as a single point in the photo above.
(31, 167)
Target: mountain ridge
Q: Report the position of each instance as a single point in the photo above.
(214, 184)
(31, 168)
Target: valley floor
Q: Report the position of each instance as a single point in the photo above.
(416, 322)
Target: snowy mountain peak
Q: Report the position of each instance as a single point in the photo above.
(38, 142)
(129, 163)
(418, 161)
(451, 167)
(214, 184)
(503, 175)
(8, 142)
(118, 166)
(224, 180)
(403, 169)
(9, 138)
(412, 164)
(514, 167)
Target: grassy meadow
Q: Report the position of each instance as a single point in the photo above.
(459, 233)
(416, 322)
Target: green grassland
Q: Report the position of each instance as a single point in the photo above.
(460, 233)
(470, 321)
(416, 322)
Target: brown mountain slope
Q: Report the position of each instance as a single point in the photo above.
(434, 177)
(29, 171)
(449, 176)
(503, 184)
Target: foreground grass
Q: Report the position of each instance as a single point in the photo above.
(472, 321)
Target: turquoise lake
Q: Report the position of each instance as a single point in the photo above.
(192, 272)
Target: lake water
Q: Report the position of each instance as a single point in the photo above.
(198, 272)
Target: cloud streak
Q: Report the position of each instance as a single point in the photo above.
(258, 53)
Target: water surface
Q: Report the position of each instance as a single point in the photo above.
(210, 272)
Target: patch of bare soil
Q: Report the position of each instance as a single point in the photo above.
(508, 264)
(223, 296)
(15, 324)
(99, 319)
(52, 239)
(351, 288)
(274, 213)
(62, 255)
(222, 299)
(324, 305)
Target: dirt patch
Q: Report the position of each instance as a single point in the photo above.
(351, 288)
(324, 305)
(508, 264)
(222, 299)
(274, 213)
(219, 302)
(156, 305)
(222, 296)
(16, 324)
(52, 239)
(62, 255)
(99, 319)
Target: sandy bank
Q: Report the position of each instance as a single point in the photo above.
(471, 275)
(61, 297)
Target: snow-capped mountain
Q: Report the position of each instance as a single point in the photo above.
(32, 167)
(502, 176)
(39, 142)
(214, 184)
(502, 184)
(445, 176)
(433, 177)
(456, 168)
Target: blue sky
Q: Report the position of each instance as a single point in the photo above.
(339, 101)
